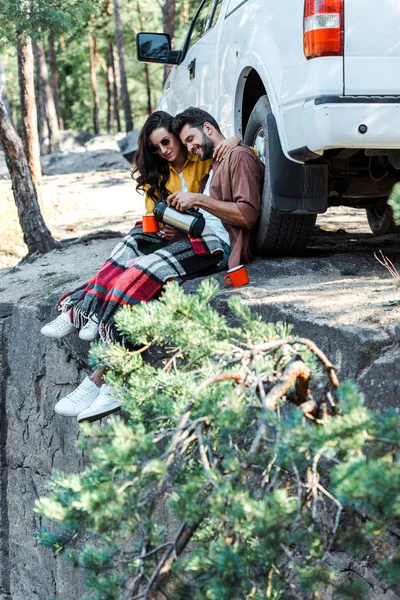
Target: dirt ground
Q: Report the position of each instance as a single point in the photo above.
(73, 204)
(78, 203)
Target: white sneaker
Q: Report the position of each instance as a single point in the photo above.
(90, 331)
(60, 327)
(102, 406)
(78, 400)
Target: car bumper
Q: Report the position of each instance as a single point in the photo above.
(345, 122)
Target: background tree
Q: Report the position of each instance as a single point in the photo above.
(126, 104)
(3, 88)
(113, 118)
(48, 121)
(54, 79)
(168, 12)
(36, 235)
(29, 118)
(63, 25)
(44, 134)
(93, 79)
(145, 65)
(16, 17)
(394, 202)
(72, 64)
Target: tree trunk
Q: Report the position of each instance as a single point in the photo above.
(116, 95)
(47, 98)
(148, 88)
(28, 111)
(185, 13)
(44, 132)
(112, 93)
(54, 80)
(168, 14)
(3, 89)
(36, 235)
(146, 66)
(122, 71)
(95, 87)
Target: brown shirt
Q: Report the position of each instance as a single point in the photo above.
(239, 178)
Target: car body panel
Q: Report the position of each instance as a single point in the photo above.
(266, 36)
(372, 47)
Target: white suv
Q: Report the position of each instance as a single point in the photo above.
(312, 84)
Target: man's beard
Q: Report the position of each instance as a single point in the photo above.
(207, 147)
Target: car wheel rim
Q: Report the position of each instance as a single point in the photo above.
(259, 144)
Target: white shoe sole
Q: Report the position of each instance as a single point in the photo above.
(95, 416)
(58, 336)
(64, 414)
(86, 337)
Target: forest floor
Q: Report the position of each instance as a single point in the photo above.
(86, 191)
(83, 192)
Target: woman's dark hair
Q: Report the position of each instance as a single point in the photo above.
(153, 169)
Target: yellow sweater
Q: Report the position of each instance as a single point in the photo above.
(193, 170)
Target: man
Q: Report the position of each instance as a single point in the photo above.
(232, 192)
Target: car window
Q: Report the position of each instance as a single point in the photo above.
(202, 22)
(217, 10)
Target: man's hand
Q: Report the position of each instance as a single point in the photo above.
(182, 200)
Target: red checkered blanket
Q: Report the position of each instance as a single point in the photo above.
(136, 271)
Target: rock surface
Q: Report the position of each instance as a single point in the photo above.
(33, 442)
(312, 293)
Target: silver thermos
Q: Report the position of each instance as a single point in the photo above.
(190, 222)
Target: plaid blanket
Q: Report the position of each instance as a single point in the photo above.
(136, 271)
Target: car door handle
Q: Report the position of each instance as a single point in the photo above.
(192, 69)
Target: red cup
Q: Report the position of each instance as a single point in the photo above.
(150, 224)
(237, 276)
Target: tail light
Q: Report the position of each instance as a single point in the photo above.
(323, 28)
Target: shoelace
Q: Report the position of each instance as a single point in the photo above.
(78, 394)
(59, 322)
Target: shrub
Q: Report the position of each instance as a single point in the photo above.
(241, 468)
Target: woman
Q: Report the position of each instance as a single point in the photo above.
(138, 266)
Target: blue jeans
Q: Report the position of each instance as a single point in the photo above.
(224, 262)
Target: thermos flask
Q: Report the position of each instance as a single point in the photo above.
(191, 222)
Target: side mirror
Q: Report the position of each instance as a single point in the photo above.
(156, 48)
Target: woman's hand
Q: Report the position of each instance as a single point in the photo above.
(169, 232)
(225, 147)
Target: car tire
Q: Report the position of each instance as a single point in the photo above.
(380, 220)
(276, 233)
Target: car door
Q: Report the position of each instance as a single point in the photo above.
(185, 84)
(205, 56)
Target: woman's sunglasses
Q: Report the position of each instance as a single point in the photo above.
(164, 143)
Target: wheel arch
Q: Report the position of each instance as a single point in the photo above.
(249, 90)
(254, 82)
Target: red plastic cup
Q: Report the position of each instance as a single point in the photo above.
(150, 224)
(237, 276)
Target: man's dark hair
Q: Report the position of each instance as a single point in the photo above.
(194, 117)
